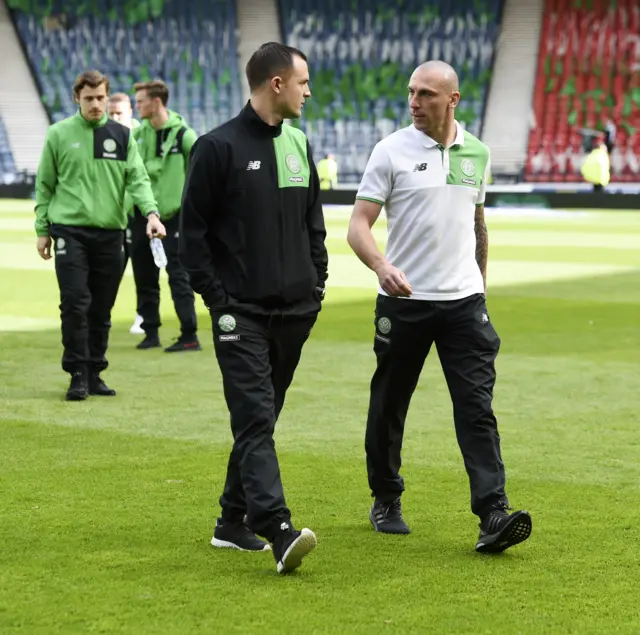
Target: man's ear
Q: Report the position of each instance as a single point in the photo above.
(276, 84)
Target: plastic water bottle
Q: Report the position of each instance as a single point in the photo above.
(159, 257)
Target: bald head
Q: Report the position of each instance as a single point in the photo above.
(433, 97)
(120, 108)
(439, 72)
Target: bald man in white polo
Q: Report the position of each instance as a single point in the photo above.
(431, 179)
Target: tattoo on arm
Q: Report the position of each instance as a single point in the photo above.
(482, 242)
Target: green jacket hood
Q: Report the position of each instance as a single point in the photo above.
(176, 120)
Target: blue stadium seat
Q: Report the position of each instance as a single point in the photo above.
(188, 42)
(362, 53)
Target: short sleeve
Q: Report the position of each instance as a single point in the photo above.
(377, 178)
(482, 192)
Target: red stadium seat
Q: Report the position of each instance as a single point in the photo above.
(584, 55)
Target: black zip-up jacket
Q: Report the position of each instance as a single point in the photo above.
(252, 232)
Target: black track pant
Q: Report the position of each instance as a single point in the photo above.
(257, 359)
(127, 255)
(89, 269)
(467, 346)
(147, 277)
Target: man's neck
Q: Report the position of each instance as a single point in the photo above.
(446, 134)
(159, 119)
(265, 112)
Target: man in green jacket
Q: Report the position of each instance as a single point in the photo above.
(164, 141)
(88, 163)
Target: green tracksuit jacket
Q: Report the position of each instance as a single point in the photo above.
(84, 171)
(165, 153)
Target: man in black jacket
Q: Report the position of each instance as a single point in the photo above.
(252, 238)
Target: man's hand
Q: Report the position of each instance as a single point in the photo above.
(44, 247)
(393, 281)
(155, 229)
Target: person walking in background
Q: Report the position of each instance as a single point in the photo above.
(596, 168)
(88, 162)
(165, 141)
(328, 172)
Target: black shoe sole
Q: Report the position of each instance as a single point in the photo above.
(75, 396)
(381, 529)
(228, 544)
(517, 530)
(183, 350)
(149, 346)
(111, 393)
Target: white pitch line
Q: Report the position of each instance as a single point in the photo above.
(515, 238)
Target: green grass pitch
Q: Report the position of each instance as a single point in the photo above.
(107, 507)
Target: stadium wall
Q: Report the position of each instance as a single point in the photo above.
(498, 197)
(517, 198)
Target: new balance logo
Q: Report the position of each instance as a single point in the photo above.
(420, 167)
(484, 318)
(253, 165)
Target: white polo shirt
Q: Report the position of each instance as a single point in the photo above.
(430, 194)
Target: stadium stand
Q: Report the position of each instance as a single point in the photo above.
(587, 74)
(362, 55)
(7, 165)
(190, 45)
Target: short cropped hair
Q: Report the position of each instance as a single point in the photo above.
(154, 88)
(92, 79)
(270, 60)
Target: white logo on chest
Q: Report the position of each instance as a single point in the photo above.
(253, 165)
(467, 167)
(293, 164)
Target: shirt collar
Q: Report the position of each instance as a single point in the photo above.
(93, 124)
(428, 142)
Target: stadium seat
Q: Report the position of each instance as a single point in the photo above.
(362, 55)
(582, 81)
(190, 45)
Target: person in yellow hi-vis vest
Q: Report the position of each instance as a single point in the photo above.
(328, 172)
(596, 167)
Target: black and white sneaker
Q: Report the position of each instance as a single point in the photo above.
(291, 546)
(499, 531)
(387, 518)
(237, 536)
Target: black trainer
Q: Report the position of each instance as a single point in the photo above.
(237, 536)
(98, 387)
(78, 387)
(499, 530)
(184, 343)
(291, 546)
(387, 518)
(151, 340)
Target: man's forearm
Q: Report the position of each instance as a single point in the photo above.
(482, 248)
(361, 240)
